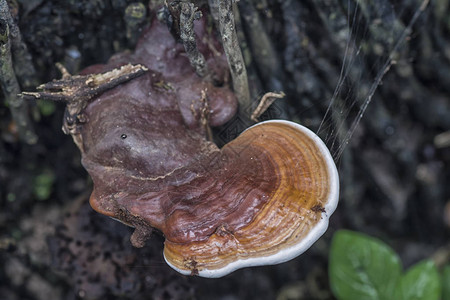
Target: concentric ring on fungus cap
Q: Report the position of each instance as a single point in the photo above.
(295, 216)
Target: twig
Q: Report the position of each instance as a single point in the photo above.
(214, 9)
(77, 90)
(10, 86)
(264, 104)
(442, 140)
(204, 116)
(233, 53)
(262, 47)
(187, 34)
(23, 64)
(171, 16)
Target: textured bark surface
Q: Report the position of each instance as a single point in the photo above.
(395, 169)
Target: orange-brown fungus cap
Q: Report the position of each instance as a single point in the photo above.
(264, 198)
(290, 208)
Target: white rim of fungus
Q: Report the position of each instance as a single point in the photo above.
(297, 249)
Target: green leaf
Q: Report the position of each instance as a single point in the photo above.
(421, 282)
(362, 267)
(446, 283)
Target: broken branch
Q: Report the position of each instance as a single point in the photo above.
(264, 104)
(233, 53)
(77, 90)
(188, 14)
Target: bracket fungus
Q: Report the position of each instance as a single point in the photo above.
(263, 198)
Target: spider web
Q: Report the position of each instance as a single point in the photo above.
(355, 99)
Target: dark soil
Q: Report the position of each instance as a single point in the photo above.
(395, 169)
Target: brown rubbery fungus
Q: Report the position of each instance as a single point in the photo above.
(264, 198)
